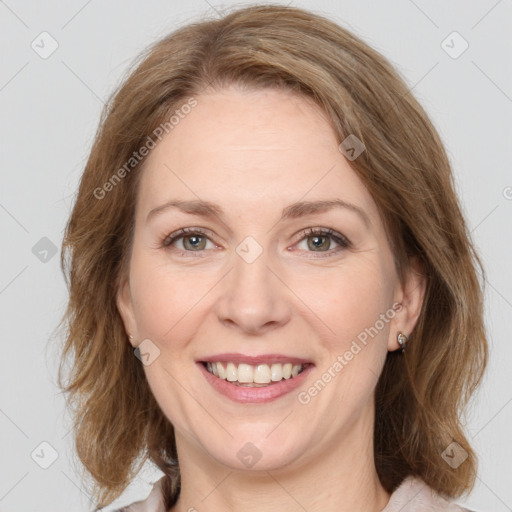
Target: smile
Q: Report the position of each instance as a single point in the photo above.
(254, 378)
(249, 375)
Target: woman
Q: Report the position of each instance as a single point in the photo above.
(272, 286)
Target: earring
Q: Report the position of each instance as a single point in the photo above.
(130, 337)
(402, 340)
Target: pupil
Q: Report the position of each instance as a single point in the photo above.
(317, 242)
(194, 241)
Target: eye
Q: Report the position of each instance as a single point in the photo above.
(321, 240)
(192, 240)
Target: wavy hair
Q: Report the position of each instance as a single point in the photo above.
(422, 394)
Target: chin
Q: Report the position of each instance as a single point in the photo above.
(255, 450)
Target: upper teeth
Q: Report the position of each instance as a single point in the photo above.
(259, 374)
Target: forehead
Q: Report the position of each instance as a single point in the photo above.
(240, 147)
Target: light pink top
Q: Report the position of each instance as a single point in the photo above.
(413, 495)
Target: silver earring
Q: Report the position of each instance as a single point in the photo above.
(131, 337)
(402, 340)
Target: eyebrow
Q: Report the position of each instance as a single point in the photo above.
(296, 210)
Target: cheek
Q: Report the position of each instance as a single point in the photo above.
(355, 354)
(349, 298)
(166, 301)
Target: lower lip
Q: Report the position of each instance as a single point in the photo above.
(245, 394)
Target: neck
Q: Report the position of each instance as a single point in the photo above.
(339, 478)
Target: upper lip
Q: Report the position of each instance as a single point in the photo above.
(253, 360)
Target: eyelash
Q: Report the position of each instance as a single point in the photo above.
(340, 239)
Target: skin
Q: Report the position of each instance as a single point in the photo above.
(253, 153)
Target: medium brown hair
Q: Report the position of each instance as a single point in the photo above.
(421, 394)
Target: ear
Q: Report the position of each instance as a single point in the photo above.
(126, 311)
(410, 296)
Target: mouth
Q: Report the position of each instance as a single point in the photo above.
(254, 376)
(254, 379)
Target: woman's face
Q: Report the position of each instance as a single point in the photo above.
(257, 282)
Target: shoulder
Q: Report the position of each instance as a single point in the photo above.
(414, 495)
(153, 503)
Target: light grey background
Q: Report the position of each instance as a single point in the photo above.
(49, 113)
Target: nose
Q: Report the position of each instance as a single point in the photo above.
(253, 297)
